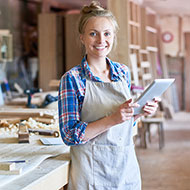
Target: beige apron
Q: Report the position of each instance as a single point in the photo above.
(107, 162)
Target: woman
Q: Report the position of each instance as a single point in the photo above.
(96, 111)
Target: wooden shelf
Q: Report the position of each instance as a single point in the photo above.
(151, 29)
(147, 76)
(143, 51)
(6, 46)
(152, 49)
(138, 24)
(145, 64)
(133, 46)
(133, 23)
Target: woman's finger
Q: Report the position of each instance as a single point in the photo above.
(152, 104)
(157, 99)
(129, 103)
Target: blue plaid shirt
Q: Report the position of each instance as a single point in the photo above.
(71, 95)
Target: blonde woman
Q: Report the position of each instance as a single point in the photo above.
(96, 111)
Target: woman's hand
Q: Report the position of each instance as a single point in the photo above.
(124, 112)
(151, 107)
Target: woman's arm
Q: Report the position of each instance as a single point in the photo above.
(71, 91)
(123, 113)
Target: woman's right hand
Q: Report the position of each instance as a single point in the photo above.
(124, 112)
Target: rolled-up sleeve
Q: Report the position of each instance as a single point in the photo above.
(71, 128)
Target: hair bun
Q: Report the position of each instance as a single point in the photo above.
(94, 6)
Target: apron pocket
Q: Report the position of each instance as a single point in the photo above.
(114, 165)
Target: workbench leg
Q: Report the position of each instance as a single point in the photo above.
(143, 131)
(161, 135)
(149, 132)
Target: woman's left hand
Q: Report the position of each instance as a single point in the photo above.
(151, 107)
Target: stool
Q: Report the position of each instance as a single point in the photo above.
(145, 128)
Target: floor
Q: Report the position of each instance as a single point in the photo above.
(169, 168)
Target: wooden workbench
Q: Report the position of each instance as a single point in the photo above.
(51, 174)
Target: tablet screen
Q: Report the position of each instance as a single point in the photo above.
(155, 89)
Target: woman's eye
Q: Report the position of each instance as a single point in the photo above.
(92, 34)
(107, 34)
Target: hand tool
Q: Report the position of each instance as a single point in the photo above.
(44, 132)
(29, 93)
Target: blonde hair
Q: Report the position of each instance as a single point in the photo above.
(95, 10)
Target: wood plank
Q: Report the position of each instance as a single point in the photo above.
(47, 47)
(143, 28)
(52, 174)
(187, 71)
(143, 51)
(23, 133)
(152, 49)
(120, 9)
(72, 45)
(54, 83)
(145, 64)
(133, 59)
(50, 51)
(151, 29)
(25, 112)
(7, 166)
(4, 32)
(134, 46)
(11, 172)
(133, 23)
(147, 76)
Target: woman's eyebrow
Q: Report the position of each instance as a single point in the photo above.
(106, 30)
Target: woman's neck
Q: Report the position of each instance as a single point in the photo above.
(100, 68)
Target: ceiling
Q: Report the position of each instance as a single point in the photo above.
(162, 7)
(168, 7)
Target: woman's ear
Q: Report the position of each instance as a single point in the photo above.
(81, 39)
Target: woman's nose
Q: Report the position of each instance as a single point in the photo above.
(101, 38)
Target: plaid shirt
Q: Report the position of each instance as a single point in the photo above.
(71, 96)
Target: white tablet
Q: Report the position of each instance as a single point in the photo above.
(155, 89)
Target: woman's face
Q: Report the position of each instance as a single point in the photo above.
(98, 37)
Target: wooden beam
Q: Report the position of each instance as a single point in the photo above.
(48, 4)
(120, 9)
(24, 113)
(187, 71)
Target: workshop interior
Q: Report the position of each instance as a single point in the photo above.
(39, 43)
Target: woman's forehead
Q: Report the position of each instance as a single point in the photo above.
(99, 23)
